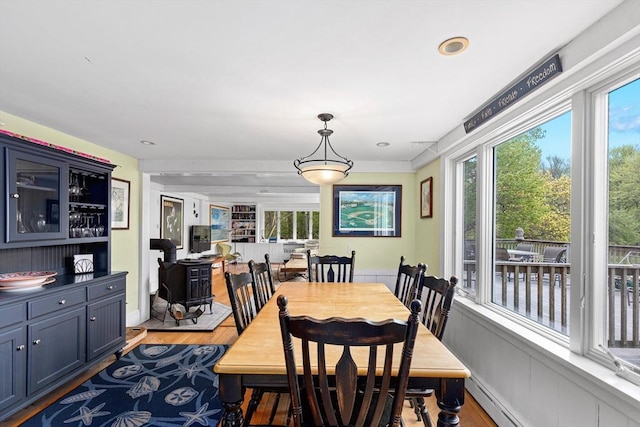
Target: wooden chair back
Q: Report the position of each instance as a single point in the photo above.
(437, 297)
(335, 395)
(240, 290)
(330, 268)
(263, 287)
(408, 281)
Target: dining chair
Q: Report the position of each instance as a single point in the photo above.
(408, 280)
(240, 288)
(330, 268)
(263, 287)
(436, 296)
(342, 398)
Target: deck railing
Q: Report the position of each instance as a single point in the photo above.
(540, 291)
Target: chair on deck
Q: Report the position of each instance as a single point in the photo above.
(527, 247)
(241, 296)
(554, 254)
(408, 280)
(330, 268)
(263, 287)
(437, 297)
(344, 398)
(503, 255)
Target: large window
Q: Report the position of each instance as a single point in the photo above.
(291, 225)
(532, 189)
(551, 244)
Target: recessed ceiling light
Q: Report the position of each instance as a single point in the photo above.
(453, 46)
(145, 142)
(383, 144)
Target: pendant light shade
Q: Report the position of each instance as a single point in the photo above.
(328, 167)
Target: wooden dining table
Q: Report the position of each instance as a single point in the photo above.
(257, 358)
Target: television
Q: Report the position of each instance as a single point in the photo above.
(200, 237)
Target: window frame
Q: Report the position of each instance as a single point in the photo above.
(588, 304)
(295, 222)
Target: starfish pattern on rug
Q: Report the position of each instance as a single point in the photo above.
(201, 416)
(159, 385)
(86, 415)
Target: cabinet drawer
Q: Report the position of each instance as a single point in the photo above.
(104, 289)
(56, 302)
(12, 314)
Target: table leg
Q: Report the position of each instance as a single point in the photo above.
(232, 396)
(450, 400)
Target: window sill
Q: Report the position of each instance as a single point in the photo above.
(579, 369)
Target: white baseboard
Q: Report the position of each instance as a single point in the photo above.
(134, 318)
(492, 406)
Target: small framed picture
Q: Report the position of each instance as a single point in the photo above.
(426, 198)
(120, 204)
(171, 219)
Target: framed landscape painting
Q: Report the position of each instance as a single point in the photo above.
(219, 220)
(171, 219)
(367, 210)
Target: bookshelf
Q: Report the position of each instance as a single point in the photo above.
(243, 223)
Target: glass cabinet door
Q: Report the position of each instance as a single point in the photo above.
(36, 204)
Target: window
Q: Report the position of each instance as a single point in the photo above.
(469, 224)
(623, 252)
(532, 189)
(291, 224)
(517, 215)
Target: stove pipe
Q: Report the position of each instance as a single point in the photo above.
(166, 246)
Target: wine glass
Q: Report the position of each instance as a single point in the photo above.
(99, 227)
(74, 189)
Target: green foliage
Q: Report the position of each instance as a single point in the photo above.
(520, 187)
(624, 196)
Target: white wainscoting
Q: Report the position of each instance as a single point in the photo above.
(523, 379)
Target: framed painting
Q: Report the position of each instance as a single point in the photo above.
(426, 198)
(171, 219)
(367, 210)
(120, 189)
(219, 221)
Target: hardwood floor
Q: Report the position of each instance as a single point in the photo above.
(472, 415)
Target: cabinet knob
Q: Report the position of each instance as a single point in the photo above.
(111, 287)
(20, 347)
(62, 302)
(36, 342)
(93, 319)
(15, 196)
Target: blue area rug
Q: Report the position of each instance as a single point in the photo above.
(152, 385)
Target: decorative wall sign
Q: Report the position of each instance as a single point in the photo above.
(367, 210)
(532, 81)
(120, 189)
(219, 220)
(426, 198)
(171, 219)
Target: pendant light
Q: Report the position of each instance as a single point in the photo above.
(329, 167)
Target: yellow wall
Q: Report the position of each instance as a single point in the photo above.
(373, 253)
(124, 243)
(428, 229)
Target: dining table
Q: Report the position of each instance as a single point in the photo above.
(256, 358)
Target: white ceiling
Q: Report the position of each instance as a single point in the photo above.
(232, 88)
